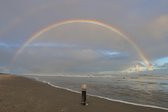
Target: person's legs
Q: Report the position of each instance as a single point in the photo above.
(83, 98)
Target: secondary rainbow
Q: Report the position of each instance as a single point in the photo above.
(94, 22)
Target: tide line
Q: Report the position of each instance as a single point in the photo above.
(109, 99)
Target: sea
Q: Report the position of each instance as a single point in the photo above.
(141, 89)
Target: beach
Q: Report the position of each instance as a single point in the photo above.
(19, 94)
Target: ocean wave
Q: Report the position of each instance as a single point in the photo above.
(109, 99)
(65, 75)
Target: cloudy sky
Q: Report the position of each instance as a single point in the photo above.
(82, 47)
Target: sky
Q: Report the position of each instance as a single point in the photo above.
(82, 47)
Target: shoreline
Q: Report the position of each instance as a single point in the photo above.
(106, 98)
(20, 94)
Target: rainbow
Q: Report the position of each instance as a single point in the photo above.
(94, 22)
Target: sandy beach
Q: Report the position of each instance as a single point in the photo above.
(19, 94)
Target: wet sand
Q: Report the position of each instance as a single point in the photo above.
(19, 94)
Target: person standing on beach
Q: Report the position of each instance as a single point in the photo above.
(83, 94)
